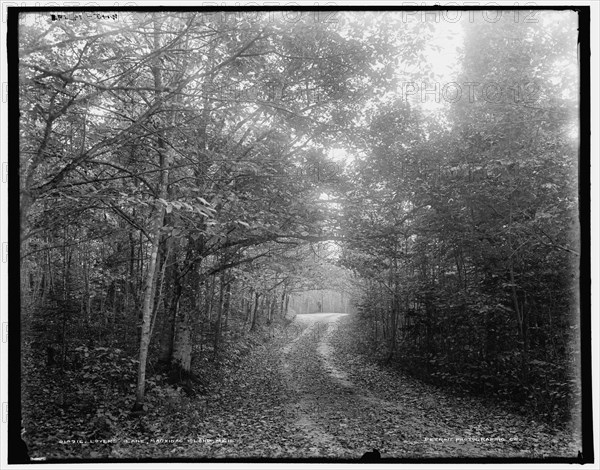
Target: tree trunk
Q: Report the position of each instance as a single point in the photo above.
(219, 316)
(147, 309)
(393, 328)
(282, 303)
(249, 308)
(158, 282)
(271, 306)
(166, 343)
(227, 305)
(255, 312)
(157, 223)
(181, 359)
(519, 311)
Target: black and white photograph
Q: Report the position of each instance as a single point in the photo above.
(312, 234)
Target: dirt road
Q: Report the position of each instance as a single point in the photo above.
(347, 408)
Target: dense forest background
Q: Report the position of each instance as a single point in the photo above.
(190, 179)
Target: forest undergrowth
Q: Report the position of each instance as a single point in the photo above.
(286, 391)
(83, 409)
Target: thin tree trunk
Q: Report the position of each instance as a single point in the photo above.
(210, 299)
(157, 224)
(282, 303)
(168, 330)
(249, 308)
(518, 309)
(160, 283)
(255, 312)
(227, 306)
(219, 316)
(147, 309)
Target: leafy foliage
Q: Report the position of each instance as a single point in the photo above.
(466, 237)
(179, 187)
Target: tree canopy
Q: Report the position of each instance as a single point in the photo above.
(183, 175)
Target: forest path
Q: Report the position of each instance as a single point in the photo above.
(345, 407)
(306, 393)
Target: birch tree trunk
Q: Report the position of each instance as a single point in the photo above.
(157, 223)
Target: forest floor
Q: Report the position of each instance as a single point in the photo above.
(307, 394)
(304, 392)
